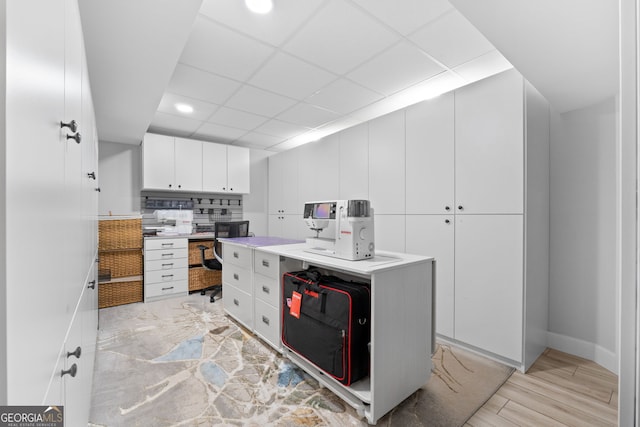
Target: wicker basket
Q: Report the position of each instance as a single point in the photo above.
(194, 253)
(118, 293)
(123, 263)
(200, 278)
(120, 234)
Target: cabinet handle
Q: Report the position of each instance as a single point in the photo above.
(166, 289)
(77, 137)
(97, 189)
(170, 254)
(167, 275)
(179, 185)
(235, 255)
(266, 289)
(92, 175)
(446, 221)
(167, 264)
(446, 208)
(265, 263)
(235, 276)
(167, 244)
(236, 302)
(92, 284)
(265, 320)
(460, 207)
(71, 371)
(72, 125)
(76, 353)
(170, 185)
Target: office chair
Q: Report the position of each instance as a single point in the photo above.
(226, 229)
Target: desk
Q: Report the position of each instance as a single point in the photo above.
(402, 338)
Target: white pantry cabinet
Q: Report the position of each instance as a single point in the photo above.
(225, 168)
(49, 153)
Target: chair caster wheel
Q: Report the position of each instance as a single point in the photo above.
(212, 299)
(202, 292)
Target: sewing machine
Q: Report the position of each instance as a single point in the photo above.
(353, 232)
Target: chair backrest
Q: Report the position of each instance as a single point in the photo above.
(231, 229)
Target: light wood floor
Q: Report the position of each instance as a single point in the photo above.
(558, 390)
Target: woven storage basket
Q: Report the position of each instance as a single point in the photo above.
(194, 253)
(123, 263)
(120, 234)
(200, 278)
(118, 293)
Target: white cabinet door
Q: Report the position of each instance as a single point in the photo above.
(288, 227)
(283, 183)
(188, 164)
(354, 163)
(238, 170)
(214, 167)
(318, 170)
(389, 232)
(387, 163)
(433, 235)
(488, 287)
(430, 156)
(489, 145)
(158, 171)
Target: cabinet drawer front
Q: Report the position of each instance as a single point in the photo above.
(166, 276)
(159, 289)
(165, 254)
(164, 264)
(266, 289)
(267, 264)
(267, 323)
(238, 304)
(238, 277)
(237, 255)
(152, 244)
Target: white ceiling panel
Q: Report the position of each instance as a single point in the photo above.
(308, 115)
(281, 129)
(405, 16)
(292, 77)
(198, 84)
(237, 119)
(275, 28)
(219, 50)
(258, 101)
(218, 133)
(340, 37)
(395, 69)
(201, 110)
(344, 97)
(257, 140)
(452, 40)
(182, 126)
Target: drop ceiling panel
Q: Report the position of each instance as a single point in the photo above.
(281, 129)
(308, 115)
(257, 140)
(237, 119)
(219, 50)
(181, 125)
(290, 76)
(343, 96)
(272, 28)
(452, 40)
(198, 84)
(397, 68)
(258, 101)
(405, 16)
(218, 133)
(340, 37)
(201, 110)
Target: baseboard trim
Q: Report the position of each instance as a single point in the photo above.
(584, 349)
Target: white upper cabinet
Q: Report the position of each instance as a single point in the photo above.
(489, 135)
(430, 156)
(188, 166)
(354, 162)
(387, 163)
(158, 166)
(182, 164)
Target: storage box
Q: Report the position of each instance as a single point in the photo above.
(195, 258)
(122, 263)
(200, 278)
(119, 234)
(117, 293)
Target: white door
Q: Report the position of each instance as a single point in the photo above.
(433, 235)
(489, 283)
(489, 156)
(238, 166)
(214, 167)
(430, 156)
(188, 164)
(387, 163)
(158, 172)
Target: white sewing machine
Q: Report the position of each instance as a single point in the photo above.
(354, 232)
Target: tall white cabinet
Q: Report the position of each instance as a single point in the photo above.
(49, 210)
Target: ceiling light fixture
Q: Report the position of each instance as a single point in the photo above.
(184, 108)
(259, 6)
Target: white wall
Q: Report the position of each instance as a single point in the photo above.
(120, 178)
(582, 298)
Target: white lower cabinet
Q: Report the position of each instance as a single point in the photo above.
(166, 268)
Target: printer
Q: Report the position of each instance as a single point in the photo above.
(352, 225)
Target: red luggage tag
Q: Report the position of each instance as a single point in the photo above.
(296, 300)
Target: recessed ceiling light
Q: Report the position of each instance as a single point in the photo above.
(259, 6)
(184, 108)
